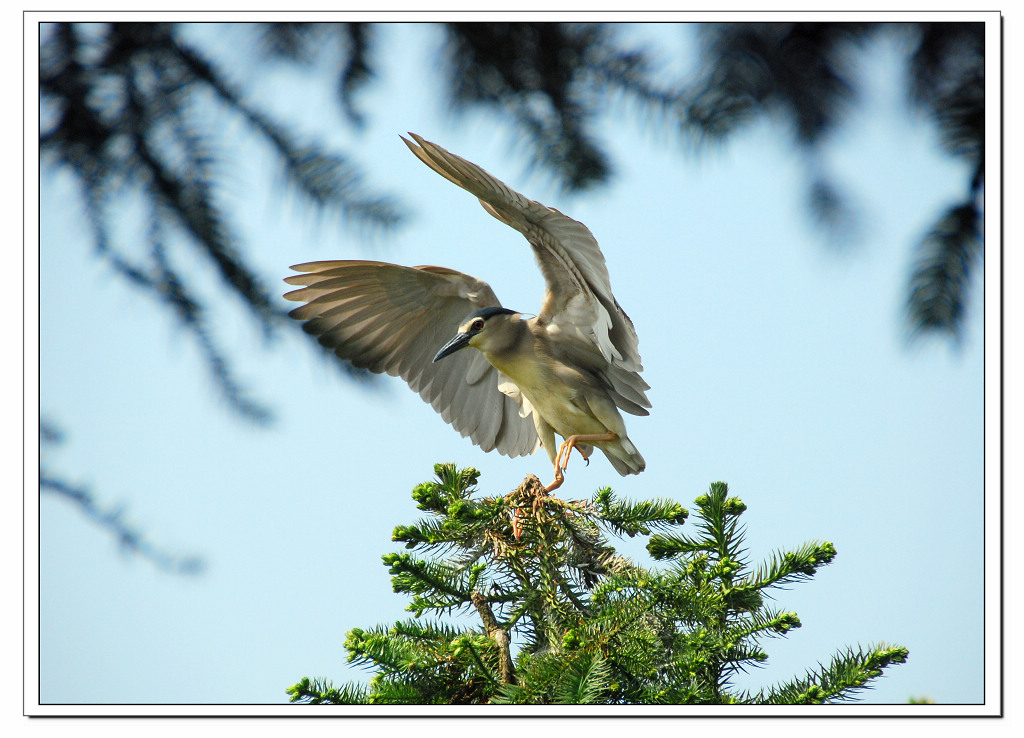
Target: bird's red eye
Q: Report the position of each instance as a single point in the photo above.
(478, 324)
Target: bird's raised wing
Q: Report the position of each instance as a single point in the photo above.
(579, 303)
(393, 319)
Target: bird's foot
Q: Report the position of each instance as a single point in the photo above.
(565, 451)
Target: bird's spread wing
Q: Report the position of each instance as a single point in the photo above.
(579, 306)
(579, 293)
(393, 319)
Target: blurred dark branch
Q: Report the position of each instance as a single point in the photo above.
(357, 71)
(117, 109)
(940, 279)
(130, 539)
(947, 82)
(110, 519)
(805, 75)
(534, 73)
(798, 72)
(328, 179)
(302, 43)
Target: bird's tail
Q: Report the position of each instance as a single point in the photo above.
(623, 456)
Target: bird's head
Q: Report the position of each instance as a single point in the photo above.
(484, 329)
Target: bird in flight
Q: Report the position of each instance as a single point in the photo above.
(508, 381)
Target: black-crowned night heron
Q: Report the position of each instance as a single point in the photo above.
(569, 370)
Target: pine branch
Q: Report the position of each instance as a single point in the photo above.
(661, 546)
(435, 585)
(322, 692)
(784, 567)
(765, 622)
(847, 674)
(629, 518)
(585, 681)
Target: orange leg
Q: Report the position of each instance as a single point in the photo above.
(562, 459)
(557, 482)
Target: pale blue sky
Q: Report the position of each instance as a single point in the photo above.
(776, 365)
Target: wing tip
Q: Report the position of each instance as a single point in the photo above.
(422, 142)
(314, 266)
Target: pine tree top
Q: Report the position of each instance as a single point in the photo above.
(565, 619)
